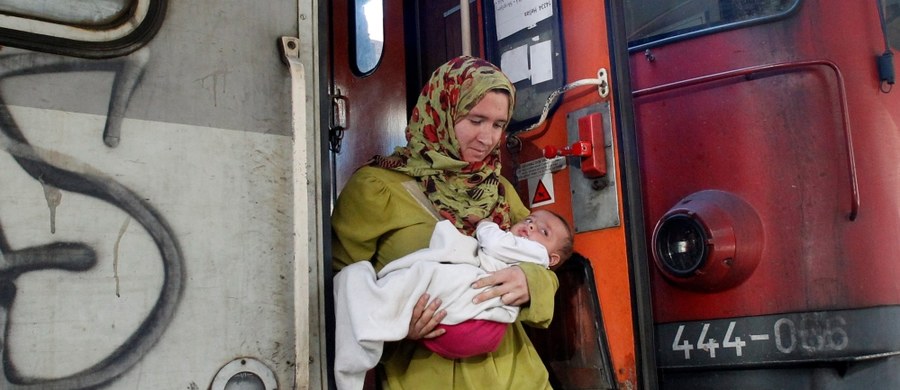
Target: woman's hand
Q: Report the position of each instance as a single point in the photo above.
(509, 284)
(425, 318)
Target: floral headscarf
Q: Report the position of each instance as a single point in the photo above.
(462, 192)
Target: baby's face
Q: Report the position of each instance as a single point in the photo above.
(543, 227)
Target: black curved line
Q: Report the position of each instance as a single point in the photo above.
(152, 328)
(68, 256)
(128, 71)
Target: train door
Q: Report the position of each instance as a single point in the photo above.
(382, 51)
(547, 47)
(593, 341)
(368, 83)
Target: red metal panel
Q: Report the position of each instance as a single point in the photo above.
(779, 140)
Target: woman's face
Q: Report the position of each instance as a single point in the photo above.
(478, 133)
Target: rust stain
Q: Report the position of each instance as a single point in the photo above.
(217, 83)
(54, 198)
(116, 253)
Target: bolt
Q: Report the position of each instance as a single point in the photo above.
(599, 184)
(513, 144)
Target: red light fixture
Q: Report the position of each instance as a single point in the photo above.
(710, 241)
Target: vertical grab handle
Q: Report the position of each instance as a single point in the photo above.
(304, 182)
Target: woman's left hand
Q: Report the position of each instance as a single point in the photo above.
(509, 284)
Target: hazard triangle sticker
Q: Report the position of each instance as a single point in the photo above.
(540, 190)
(540, 193)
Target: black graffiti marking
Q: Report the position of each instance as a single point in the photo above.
(127, 71)
(79, 256)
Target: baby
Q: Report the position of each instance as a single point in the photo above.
(445, 270)
(542, 238)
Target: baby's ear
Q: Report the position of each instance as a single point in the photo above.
(554, 260)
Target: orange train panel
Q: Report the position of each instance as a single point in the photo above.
(586, 51)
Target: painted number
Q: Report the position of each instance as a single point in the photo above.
(737, 343)
(813, 333)
(785, 327)
(709, 346)
(686, 346)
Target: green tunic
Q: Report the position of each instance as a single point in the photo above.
(377, 218)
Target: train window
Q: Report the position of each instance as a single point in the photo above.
(651, 22)
(892, 22)
(83, 28)
(369, 22)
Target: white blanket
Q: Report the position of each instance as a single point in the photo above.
(370, 310)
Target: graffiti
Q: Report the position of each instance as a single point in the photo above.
(66, 174)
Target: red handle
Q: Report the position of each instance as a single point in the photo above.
(578, 149)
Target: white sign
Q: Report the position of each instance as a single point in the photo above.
(541, 56)
(514, 63)
(516, 15)
(540, 167)
(539, 175)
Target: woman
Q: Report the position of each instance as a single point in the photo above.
(449, 169)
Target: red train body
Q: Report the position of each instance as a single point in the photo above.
(768, 156)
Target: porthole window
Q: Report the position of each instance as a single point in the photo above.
(369, 21)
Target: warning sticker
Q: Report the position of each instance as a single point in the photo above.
(541, 194)
(539, 174)
(540, 190)
(540, 167)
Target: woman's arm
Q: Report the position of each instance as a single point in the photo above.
(376, 219)
(527, 285)
(542, 285)
(354, 231)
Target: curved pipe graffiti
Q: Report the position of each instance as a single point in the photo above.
(128, 71)
(79, 178)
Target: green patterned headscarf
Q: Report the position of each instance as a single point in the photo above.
(462, 192)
